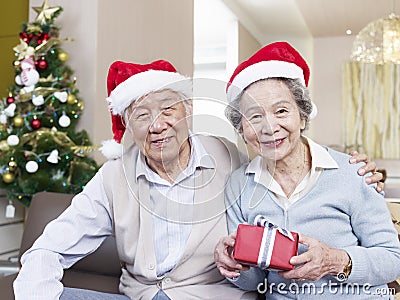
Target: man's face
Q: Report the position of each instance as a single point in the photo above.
(159, 125)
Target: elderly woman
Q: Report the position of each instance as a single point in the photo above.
(345, 227)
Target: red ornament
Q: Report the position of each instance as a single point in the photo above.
(42, 64)
(10, 99)
(42, 38)
(26, 37)
(36, 124)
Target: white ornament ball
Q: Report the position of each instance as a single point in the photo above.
(13, 140)
(64, 121)
(31, 166)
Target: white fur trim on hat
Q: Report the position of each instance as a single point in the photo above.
(144, 83)
(111, 149)
(263, 70)
(314, 111)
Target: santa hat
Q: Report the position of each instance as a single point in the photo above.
(278, 59)
(127, 82)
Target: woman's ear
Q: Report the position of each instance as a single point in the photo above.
(302, 123)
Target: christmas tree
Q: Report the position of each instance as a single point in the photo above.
(40, 150)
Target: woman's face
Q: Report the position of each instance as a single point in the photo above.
(159, 126)
(271, 119)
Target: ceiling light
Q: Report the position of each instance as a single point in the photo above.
(348, 31)
(378, 42)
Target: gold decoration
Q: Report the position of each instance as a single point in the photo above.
(12, 165)
(378, 42)
(16, 63)
(60, 138)
(34, 28)
(4, 146)
(18, 121)
(8, 177)
(49, 78)
(71, 99)
(44, 91)
(45, 12)
(23, 50)
(63, 56)
(83, 150)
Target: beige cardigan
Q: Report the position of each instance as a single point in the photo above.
(195, 276)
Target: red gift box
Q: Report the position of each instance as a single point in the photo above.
(265, 247)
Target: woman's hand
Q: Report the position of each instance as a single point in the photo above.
(370, 166)
(318, 261)
(223, 257)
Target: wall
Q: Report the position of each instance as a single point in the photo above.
(248, 45)
(130, 30)
(10, 27)
(329, 56)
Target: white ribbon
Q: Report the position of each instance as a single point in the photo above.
(268, 240)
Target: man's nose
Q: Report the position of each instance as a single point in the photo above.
(158, 124)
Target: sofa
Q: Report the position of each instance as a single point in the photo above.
(98, 271)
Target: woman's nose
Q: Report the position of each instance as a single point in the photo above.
(269, 126)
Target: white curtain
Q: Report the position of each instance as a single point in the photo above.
(371, 106)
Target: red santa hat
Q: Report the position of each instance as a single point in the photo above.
(278, 59)
(127, 82)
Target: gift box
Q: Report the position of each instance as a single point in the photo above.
(267, 247)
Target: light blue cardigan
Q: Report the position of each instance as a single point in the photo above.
(341, 211)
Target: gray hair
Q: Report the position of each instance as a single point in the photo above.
(298, 90)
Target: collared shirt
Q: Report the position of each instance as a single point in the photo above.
(45, 264)
(171, 227)
(321, 160)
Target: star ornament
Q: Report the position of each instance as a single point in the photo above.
(45, 12)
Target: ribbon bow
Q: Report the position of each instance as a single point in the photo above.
(262, 221)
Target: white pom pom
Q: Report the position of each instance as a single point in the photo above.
(111, 149)
(314, 111)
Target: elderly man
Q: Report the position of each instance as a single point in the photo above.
(161, 195)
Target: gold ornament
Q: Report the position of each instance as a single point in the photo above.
(12, 165)
(71, 99)
(63, 56)
(45, 12)
(18, 121)
(4, 146)
(8, 177)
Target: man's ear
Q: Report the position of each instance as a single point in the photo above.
(189, 107)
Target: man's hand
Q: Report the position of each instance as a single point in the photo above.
(370, 166)
(223, 257)
(318, 261)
